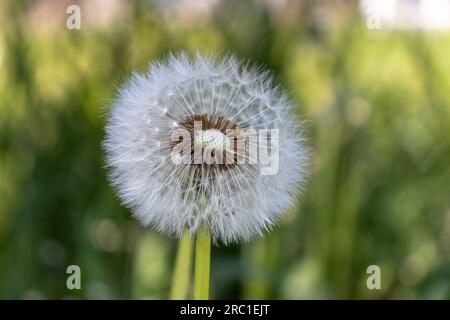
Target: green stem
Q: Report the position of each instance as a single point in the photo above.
(202, 264)
(182, 271)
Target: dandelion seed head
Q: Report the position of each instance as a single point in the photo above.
(235, 200)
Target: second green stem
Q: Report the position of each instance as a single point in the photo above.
(202, 264)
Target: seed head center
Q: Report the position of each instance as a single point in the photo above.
(213, 140)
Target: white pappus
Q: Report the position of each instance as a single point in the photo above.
(235, 201)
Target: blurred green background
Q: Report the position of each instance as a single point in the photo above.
(377, 111)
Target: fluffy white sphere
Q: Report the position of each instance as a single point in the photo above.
(236, 201)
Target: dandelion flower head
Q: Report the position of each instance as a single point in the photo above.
(171, 190)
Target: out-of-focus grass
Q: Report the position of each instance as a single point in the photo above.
(377, 110)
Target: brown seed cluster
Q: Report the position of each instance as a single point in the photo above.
(226, 127)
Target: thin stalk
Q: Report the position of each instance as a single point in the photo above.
(202, 264)
(182, 271)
